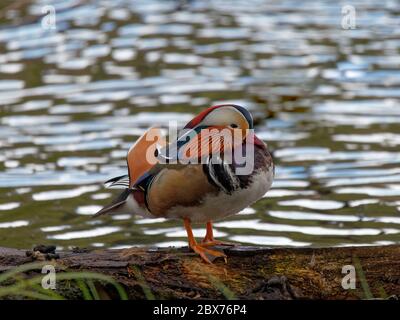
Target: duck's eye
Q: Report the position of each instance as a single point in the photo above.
(233, 125)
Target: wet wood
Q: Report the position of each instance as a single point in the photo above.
(250, 272)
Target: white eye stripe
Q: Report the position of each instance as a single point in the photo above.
(224, 116)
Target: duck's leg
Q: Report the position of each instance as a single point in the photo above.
(205, 253)
(209, 238)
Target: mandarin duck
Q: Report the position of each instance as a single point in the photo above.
(209, 185)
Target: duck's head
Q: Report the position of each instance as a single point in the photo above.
(232, 122)
(231, 116)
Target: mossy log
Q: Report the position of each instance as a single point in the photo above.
(249, 273)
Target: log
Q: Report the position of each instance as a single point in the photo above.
(249, 273)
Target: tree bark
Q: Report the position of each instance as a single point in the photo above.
(249, 273)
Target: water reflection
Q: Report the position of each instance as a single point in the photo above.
(325, 99)
(96, 232)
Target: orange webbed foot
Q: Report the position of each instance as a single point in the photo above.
(211, 243)
(206, 254)
(209, 240)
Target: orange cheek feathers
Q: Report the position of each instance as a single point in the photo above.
(213, 140)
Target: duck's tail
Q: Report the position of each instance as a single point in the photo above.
(118, 205)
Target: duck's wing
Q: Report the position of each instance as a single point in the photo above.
(141, 158)
(161, 155)
(177, 185)
(142, 155)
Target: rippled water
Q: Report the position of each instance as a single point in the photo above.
(73, 100)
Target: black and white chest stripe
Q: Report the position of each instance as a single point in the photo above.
(221, 175)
